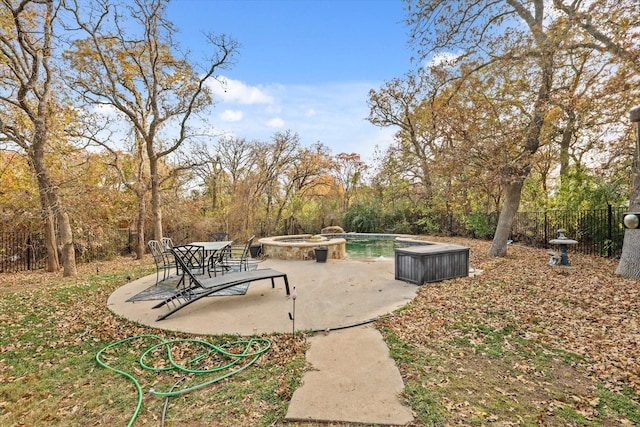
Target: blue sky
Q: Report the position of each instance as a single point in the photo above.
(304, 65)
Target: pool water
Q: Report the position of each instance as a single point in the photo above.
(371, 248)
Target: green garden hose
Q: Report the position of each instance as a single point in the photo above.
(253, 349)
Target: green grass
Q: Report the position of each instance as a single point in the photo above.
(623, 403)
(49, 374)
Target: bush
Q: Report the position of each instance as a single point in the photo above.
(481, 224)
(362, 217)
(428, 222)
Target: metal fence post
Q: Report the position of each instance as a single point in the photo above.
(29, 250)
(546, 227)
(609, 229)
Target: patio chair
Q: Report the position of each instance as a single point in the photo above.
(239, 258)
(218, 236)
(191, 288)
(167, 244)
(160, 259)
(217, 263)
(193, 258)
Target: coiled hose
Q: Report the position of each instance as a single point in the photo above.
(253, 349)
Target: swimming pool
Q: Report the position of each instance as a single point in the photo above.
(354, 246)
(371, 248)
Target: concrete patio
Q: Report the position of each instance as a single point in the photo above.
(331, 295)
(352, 379)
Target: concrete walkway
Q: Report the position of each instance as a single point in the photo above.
(353, 379)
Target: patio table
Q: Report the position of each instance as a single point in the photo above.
(212, 247)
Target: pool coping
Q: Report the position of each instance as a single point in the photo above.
(408, 239)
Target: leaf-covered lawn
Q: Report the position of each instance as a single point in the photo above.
(51, 329)
(523, 343)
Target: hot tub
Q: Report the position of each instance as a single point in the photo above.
(301, 246)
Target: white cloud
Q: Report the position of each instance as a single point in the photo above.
(273, 109)
(333, 114)
(275, 123)
(235, 91)
(106, 110)
(231, 115)
(443, 58)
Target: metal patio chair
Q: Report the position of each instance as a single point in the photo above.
(193, 258)
(160, 259)
(239, 259)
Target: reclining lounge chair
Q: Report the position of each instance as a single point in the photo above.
(191, 288)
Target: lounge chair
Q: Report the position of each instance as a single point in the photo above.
(191, 288)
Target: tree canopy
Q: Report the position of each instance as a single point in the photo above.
(512, 105)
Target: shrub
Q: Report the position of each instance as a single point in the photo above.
(363, 217)
(481, 224)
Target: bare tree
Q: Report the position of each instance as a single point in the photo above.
(401, 103)
(273, 161)
(133, 66)
(348, 170)
(29, 111)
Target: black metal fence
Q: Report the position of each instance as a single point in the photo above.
(21, 251)
(25, 250)
(96, 245)
(598, 232)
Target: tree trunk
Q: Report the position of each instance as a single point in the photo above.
(156, 202)
(50, 204)
(142, 211)
(512, 193)
(66, 241)
(629, 265)
(52, 208)
(50, 242)
(565, 144)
